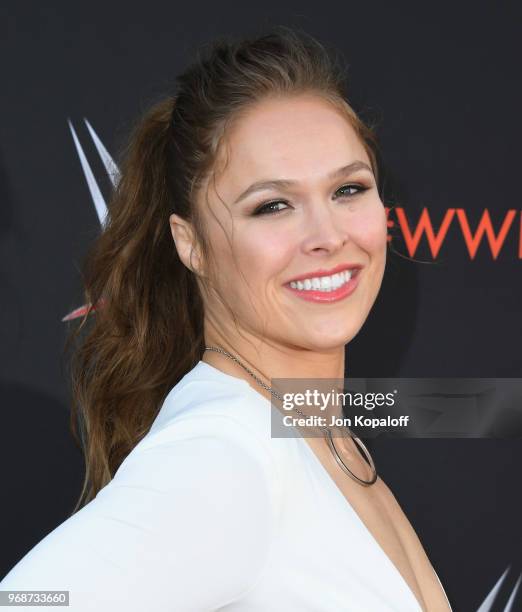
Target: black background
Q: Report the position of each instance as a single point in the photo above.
(441, 80)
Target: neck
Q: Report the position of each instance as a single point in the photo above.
(269, 360)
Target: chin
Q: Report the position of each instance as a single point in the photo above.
(332, 339)
(337, 331)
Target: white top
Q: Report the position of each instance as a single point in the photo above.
(209, 512)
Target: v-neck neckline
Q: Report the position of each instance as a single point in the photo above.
(331, 483)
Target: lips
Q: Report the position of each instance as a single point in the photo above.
(323, 272)
(327, 296)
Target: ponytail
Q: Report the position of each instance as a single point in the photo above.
(149, 331)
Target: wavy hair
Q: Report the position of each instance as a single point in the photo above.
(145, 331)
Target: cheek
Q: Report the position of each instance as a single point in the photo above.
(369, 230)
(263, 253)
(247, 272)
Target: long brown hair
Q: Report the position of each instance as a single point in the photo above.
(145, 329)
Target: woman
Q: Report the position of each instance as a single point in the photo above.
(256, 175)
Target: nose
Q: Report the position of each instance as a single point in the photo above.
(323, 230)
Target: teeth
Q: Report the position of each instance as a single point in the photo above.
(323, 283)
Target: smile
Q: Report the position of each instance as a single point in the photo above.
(326, 288)
(323, 283)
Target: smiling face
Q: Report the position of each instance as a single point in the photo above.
(321, 218)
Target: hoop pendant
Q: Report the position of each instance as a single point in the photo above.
(344, 467)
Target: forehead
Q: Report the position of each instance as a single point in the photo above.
(302, 138)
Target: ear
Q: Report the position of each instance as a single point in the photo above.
(184, 239)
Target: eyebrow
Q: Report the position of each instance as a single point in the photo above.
(287, 183)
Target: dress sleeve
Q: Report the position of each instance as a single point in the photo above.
(186, 524)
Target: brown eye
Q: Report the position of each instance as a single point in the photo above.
(358, 188)
(266, 210)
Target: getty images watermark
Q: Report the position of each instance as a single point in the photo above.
(398, 407)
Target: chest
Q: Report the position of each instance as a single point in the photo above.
(323, 558)
(378, 514)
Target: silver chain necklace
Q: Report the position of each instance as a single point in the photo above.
(327, 432)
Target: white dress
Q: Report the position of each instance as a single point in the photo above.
(209, 512)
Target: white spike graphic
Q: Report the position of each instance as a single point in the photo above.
(487, 604)
(111, 168)
(511, 601)
(96, 194)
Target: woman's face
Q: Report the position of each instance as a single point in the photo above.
(321, 218)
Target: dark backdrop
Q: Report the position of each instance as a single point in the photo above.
(441, 80)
